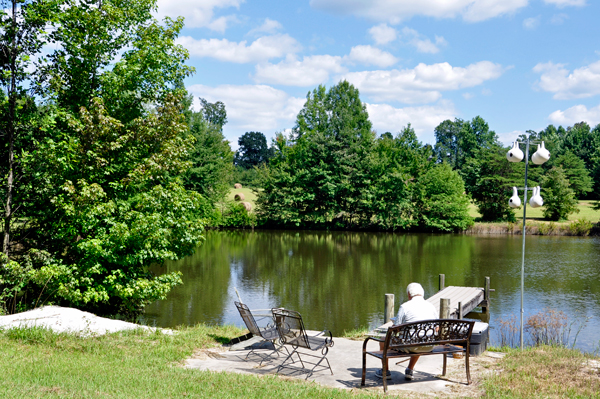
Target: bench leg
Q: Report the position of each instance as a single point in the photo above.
(467, 355)
(444, 370)
(362, 382)
(384, 364)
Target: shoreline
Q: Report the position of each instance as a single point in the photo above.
(580, 228)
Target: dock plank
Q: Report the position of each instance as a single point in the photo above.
(470, 297)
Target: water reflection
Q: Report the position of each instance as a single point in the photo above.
(338, 279)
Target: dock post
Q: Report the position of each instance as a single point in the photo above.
(389, 308)
(486, 296)
(442, 281)
(460, 311)
(444, 308)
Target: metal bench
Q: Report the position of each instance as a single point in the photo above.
(268, 333)
(445, 335)
(292, 332)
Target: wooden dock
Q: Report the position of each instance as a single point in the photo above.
(462, 300)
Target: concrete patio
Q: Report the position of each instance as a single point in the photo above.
(345, 358)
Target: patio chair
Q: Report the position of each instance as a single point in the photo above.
(268, 333)
(292, 332)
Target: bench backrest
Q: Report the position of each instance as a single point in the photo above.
(429, 332)
(291, 328)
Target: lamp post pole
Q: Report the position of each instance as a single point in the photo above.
(540, 156)
(523, 248)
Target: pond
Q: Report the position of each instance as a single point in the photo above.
(338, 280)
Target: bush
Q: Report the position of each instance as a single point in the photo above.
(236, 215)
(580, 227)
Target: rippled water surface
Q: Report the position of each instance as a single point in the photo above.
(338, 280)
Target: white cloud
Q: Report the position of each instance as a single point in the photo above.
(269, 26)
(582, 82)
(386, 118)
(424, 83)
(532, 23)
(576, 114)
(566, 3)
(509, 137)
(383, 34)
(558, 19)
(311, 71)
(468, 96)
(251, 108)
(198, 13)
(394, 11)
(369, 55)
(262, 49)
(422, 43)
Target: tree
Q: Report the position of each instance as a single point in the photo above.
(488, 179)
(212, 158)
(320, 176)
(101, 195)
(396, 164)
(457, 141)
(559, 198)
(22, 35)
(575, 172)
(123, 208)
(441, 202)
(253, 150)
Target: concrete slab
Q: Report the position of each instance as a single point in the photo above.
(345, 358)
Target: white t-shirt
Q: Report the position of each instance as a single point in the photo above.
(416, 309)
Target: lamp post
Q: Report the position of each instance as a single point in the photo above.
(539, 157)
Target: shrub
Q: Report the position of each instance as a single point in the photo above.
(580, 227)
(236, 215)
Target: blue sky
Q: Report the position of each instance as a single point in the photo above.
(519, 64)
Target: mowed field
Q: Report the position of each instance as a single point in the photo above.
(249, 196)
(586, 211)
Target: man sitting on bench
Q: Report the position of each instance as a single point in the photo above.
(416, 309)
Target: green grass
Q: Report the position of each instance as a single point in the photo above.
(248, 194)
(586, 211)
(544, 372)
(37, 363)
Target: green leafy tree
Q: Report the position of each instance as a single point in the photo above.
(212, 158)
(441, 202)
(488, 178)
(457, 141)
(576, 172)
(395, 165)
(323, 179)
(253, 150)
(22, 35)
(123, 208)
(100, 189)
(559, 198)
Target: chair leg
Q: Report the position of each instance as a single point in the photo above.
(467, 367)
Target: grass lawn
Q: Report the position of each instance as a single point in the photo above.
(586, 211)
(247, 192)
(36, 363)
